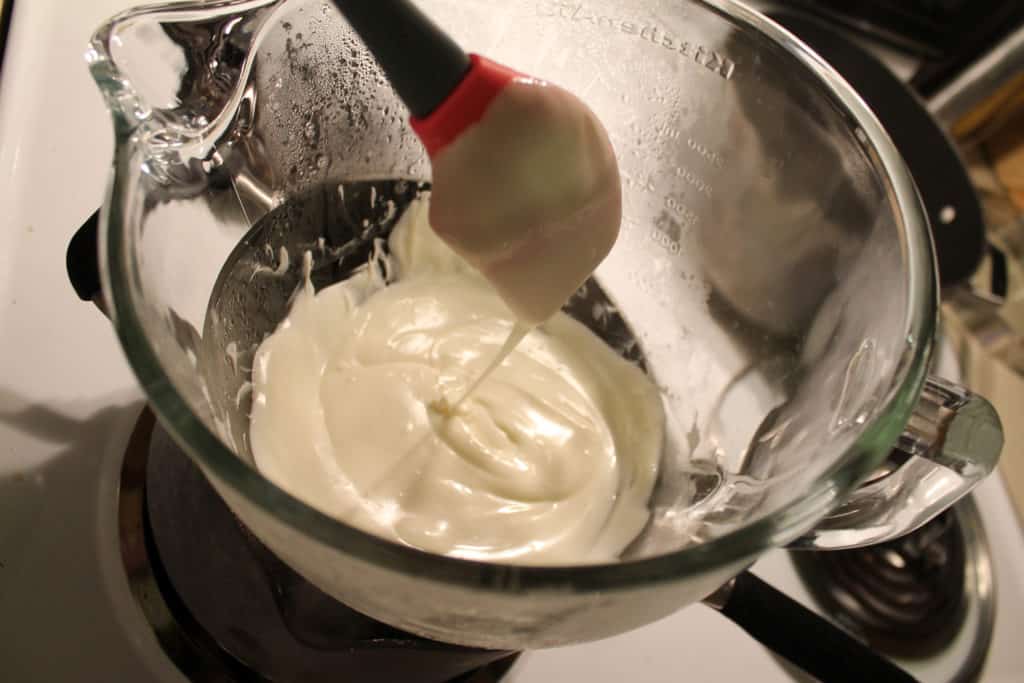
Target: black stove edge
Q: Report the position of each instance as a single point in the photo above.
(6, 12)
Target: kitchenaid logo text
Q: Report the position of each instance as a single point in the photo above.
(575, 12)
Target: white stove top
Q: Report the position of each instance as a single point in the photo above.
(68, 403)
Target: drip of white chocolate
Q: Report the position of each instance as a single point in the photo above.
(550, 461)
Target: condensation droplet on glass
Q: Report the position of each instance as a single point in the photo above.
(312, 131)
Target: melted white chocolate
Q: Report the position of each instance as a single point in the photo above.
(551, 460)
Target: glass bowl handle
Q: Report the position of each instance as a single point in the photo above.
(951, 443)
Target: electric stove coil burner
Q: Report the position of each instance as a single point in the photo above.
(225, 609)
(926, 597)
(905, 596)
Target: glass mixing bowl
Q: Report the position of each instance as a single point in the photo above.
(774, 276)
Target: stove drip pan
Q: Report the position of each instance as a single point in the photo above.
(927, 600)
(224, 608)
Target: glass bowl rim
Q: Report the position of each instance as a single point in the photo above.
(738, 546)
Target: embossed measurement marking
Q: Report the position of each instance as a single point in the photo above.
(666, 242)
(575, 12)
(709, 155)
(695, 180)
(681, 212)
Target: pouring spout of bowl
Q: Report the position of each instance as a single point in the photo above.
(139, 57)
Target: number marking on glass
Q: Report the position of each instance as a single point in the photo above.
(680, 211)
(665, 242)
(695, 180)
(707, 154)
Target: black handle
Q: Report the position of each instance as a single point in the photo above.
(805, 639)
(83, 260)
(933, 160)
(422, 62)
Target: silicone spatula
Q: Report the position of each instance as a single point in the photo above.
(525, 183)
